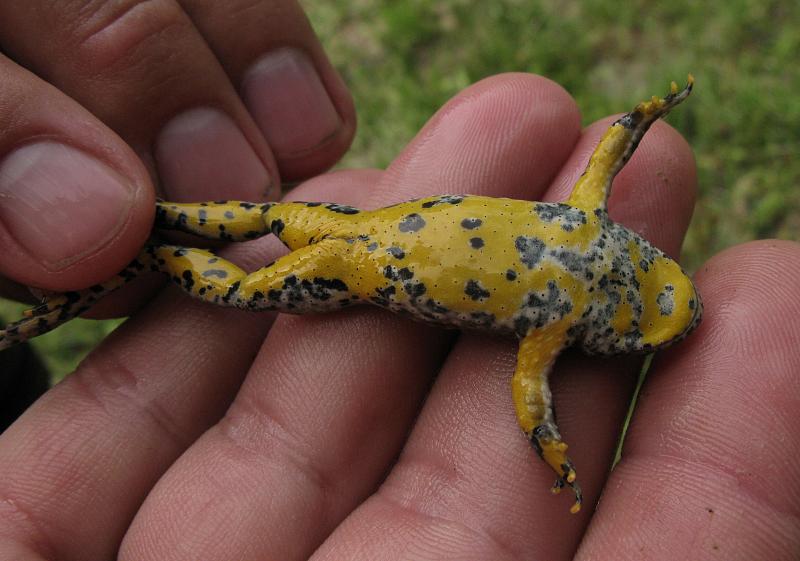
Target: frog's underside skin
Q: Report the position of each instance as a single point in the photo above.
(553, 274)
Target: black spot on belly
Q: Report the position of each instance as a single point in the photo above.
(412, 223)
(471, 223)
(219, 273)
(330, 284)
(180, 252)
(313, 204)
(277, 226)
(229, 215)
(530, 250)
(188, 279)
(396, 274)
(181, 221)
(415, 289)
(444, 199)
(223, 235)
(384, 295)
(476, 291)
(231, 291)
(511, 275)
(476, 243)
(342, 209)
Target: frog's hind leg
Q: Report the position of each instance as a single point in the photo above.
(310, 279)
(533, 403)
(618, 144)
(60, 307)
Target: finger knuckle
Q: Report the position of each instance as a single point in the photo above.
(116, 35)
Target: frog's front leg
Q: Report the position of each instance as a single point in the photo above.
(533, 402)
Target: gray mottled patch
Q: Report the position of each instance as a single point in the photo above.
(572, 261)
(531, 250)
(412, 223)
(396, 252)
(540, 308)
(666, 300)
(568, 216)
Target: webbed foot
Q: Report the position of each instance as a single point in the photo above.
(548, 444)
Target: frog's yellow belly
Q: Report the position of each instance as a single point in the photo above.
(501, 264)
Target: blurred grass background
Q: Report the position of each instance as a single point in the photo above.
(403, 60)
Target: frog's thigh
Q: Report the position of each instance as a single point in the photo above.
(306, 279)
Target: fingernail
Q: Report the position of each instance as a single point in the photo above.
(289, 103)
(202, 155)
(61, 204)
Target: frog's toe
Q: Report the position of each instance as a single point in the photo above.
(562, 482)
(553, 451)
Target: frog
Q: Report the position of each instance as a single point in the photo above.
(551, 274)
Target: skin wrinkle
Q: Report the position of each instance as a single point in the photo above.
(35, 536)
(116, 31)
(425, 518)
(121, 384)
(283, 446)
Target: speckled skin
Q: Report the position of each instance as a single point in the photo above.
(553, 274)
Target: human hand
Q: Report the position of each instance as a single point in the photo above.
(99, 102)
(200, 433)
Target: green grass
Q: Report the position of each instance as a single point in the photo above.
(403, 60)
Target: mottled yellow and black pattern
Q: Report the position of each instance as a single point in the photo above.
(553, 274)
